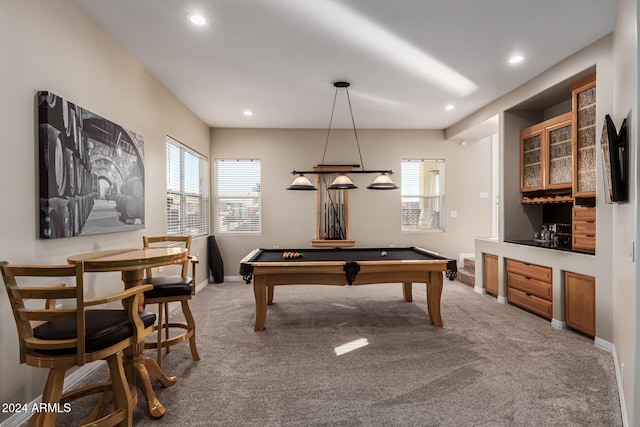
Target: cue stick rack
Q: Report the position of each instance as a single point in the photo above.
(332, 210)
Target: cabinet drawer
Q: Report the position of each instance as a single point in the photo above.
(584, 214)
(584, 227)
(530, 286)
(530, 302)
(532, 271)
(583, 242)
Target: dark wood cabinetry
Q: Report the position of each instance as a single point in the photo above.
(580, 302)
(530, 287)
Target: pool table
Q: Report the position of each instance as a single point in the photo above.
(346, 266)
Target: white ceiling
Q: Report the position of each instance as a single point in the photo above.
(405, 59)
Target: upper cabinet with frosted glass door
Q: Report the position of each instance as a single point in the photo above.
(546, 155)
(584, 135)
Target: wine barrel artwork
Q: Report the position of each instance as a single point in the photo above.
(91, 172)
(130, 202)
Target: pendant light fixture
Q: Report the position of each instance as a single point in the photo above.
(342, 182)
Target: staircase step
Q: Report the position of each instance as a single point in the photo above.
(467, 277)
(470, 264)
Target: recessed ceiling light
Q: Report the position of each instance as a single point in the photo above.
(516, 59)
(197, 19)
(248, 113)
(450, 107)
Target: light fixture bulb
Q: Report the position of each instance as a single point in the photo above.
(197, 19)
(516, 59)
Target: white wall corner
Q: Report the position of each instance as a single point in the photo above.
(462, 256)
(503, 300)
(479, 290)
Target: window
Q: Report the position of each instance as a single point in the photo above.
(422, 194)
(238, 201)
(187, 191)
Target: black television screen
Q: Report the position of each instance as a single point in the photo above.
(614, 155)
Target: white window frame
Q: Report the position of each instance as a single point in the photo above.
(422, 210)
(186, 221)
(247, 196)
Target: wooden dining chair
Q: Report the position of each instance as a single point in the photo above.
(172, 288)
(68, 335)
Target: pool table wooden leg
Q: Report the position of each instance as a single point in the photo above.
(270, 294)
(407, 291)
(434, 293)
(260, 293)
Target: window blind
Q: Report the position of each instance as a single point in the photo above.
(187, 191)
(422, 192)
(238, 202)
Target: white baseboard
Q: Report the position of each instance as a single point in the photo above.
(558, 324)
(623, 407)
(503, 300)
(70, 381)
(233, 279)
(604, 345)
(479, 290)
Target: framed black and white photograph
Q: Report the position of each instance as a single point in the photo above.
(91, 172)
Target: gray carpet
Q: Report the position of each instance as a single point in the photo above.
(491, 364)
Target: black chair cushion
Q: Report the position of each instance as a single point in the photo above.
(168, 286)
(104, 328)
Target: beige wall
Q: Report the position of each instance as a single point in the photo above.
(52, 45)
(289, 216)
(626, 298)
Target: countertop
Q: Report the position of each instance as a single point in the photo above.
(546, 245)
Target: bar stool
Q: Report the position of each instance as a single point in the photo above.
(63, 338)
(172, 288)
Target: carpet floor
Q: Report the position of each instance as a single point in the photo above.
(362, 356)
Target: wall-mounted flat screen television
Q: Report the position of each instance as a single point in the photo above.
(614, 153)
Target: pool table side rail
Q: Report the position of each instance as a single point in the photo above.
(248, 263)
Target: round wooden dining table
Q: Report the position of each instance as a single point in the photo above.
(132, 263)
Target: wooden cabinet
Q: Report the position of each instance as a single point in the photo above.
(583, 230)
(580, 302)
(584, 137)
(530, 287)
(491, 274)
(546, 155)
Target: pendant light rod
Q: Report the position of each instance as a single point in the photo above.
(342, 182)
(295, 172)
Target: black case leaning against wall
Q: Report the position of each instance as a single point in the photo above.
(216, 266)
